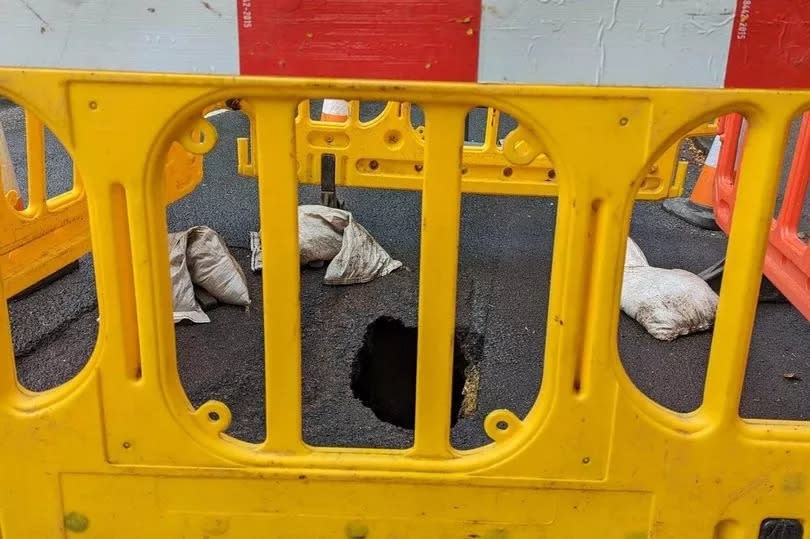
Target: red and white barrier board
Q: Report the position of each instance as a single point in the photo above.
(676, 43)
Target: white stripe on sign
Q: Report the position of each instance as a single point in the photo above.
(127, 35)
(606, 42)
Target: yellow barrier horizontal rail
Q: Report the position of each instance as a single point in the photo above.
(119, 450)
(388, 152)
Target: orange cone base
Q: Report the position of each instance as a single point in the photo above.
(694, 214)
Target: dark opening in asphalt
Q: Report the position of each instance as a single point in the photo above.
(384, 372)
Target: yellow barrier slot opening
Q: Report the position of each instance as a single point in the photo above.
(43, 245)
(227, 395)
(670, 372)
(504, 271)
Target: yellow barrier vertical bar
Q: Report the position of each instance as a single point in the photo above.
(35, 150)
(278, 215)
(8, 368)
(78, 184)
(753, 211)
(441, 212)
(491, 133)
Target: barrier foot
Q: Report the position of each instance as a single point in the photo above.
(329, 197)
(694, 214)
(55, 276)
(768, 293)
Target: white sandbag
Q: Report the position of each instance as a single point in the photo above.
(185, 305)
(667, 302)
(326, 234)
(634, 256)
(320, 232)
(212, 267)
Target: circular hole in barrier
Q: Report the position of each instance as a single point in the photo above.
(213, 417)
(507, 172)
(93, 105)
(464, 170)
(373, 164)
(552, 174)
(623, 121)
(586, 460)
(417, 167)
(502, 425)
(393, 137)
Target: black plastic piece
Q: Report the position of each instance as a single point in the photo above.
(328, 195)
(781, 528)
(768, 293)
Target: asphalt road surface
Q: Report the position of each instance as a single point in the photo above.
(506, 246)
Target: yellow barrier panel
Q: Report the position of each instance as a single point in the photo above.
(388, 152)
(49, 233)
(119, 452)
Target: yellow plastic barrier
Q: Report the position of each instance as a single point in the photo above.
(119, 452)
(387, 152)
(50, 233)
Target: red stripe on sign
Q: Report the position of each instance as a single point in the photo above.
(770, 45)
(394, 39)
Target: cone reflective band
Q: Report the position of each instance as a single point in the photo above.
(702, 44)
(335, 110)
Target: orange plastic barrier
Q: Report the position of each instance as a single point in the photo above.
(787, 260)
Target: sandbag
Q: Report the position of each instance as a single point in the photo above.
(183, 300)
(329, 234)
(212, 267)
(667, 302)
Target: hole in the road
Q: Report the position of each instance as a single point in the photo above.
(384, 373)
(381, 246)
(356, 265)
(216, 298)
(777, 378)
(49, 283)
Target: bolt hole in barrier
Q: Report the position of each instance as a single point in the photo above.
(43, 240)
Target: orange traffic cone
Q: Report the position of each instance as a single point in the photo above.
(10, 189)
(334, 110)
(697, 209)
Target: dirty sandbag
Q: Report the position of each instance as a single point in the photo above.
(185, 304)
(667, 302)
(329, 234)
(320, 232)
(212, 267)
(360, 259)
